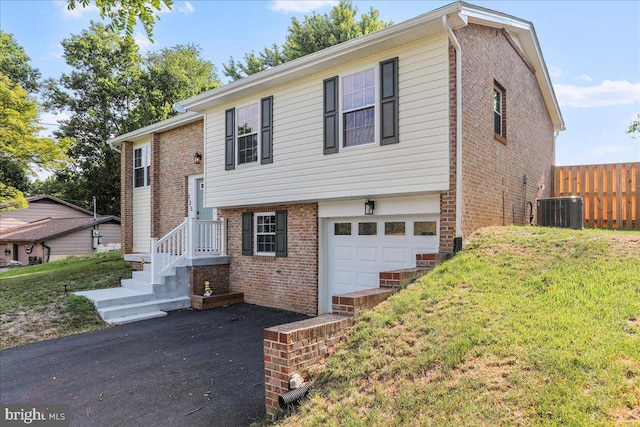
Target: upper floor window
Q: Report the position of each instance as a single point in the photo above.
(358, 106)
(248, 124)
(499, 116)
(142, 166)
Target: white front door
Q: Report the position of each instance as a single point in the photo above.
(359, 248)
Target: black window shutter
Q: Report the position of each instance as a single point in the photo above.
(266, 105)
(229, 139)
(389, 132)
(247, 233)
(330, 130)
(281, 233)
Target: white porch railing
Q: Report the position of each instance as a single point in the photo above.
(192, 239)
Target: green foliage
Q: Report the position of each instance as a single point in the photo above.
(317, 32)
(34, 306)
(14, 63)
(634, 127)
(525, 326)
(125, 14)
(113, 90)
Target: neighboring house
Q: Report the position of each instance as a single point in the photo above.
(50, 229)
(352, 161)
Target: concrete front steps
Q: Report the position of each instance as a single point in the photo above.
(137, 299)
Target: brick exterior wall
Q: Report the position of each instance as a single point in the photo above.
(493, 192)
(448, 198)
(126, 197)
(289, 283)
(216, 275)
(171, 164)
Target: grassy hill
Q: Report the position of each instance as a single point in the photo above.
(525, 327)
(34, 306)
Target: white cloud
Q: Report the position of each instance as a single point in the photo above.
(185, 8)
(142, 41)
(78, 13)
(555, 72)
(604, 150)
(585, 77)
(607, 94)
(299, 6)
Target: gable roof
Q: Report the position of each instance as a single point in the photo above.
(35, 199)
(164, 125)
(457, 15)
(51, 228)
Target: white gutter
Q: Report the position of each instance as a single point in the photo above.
(456, 45)
(113, 147)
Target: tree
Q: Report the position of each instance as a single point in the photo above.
(317, 32)
(20, 147)
(112, 90)
(634, 127)
(124, 14)
(14, 63)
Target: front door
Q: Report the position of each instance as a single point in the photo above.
(202, 213)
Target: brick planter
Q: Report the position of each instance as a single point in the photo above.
(200, 302)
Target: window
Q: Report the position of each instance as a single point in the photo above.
(424, 228)
(367, 228)
(499, 117)
(394, 228)
(142, 166)
(242, 126)
(358, 106)
(361, 108)
(248, 123)
(266, 233)
(342, 229)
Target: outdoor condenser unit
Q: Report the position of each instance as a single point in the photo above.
(565, 212)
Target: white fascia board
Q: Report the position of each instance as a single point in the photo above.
(164, 125)
(528, 41)
(419, 27)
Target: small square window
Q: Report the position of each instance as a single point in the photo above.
(425, 228)
(342, 229)
(367, 228)
(394, 228)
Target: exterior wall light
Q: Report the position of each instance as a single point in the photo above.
(369, 207)
(197, 158)
(7, 252)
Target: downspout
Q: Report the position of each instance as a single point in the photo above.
(456, 46)
(48, 251)
(113, 147)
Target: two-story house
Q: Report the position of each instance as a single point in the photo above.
(323, 172)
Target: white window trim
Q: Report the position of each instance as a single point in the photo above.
(258, 136)
(146, 156)
(255, 233)
(376, 119)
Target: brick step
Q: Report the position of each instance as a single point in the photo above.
(354, 303)
(398, 279)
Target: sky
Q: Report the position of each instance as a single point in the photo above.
(591, 48)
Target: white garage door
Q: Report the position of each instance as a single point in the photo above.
(360, 248)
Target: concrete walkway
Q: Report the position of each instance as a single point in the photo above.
(191, 368)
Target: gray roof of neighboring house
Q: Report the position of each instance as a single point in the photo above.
(32, 199)
(51, 228)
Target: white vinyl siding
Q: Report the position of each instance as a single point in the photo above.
(80, 242)
(141, 216)
(301, 172)
(38, 209)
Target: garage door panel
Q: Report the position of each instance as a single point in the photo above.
(395, 255)
(367, 280)
(367, 253)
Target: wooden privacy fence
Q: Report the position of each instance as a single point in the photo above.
(610, 192)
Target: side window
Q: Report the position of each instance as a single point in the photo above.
(264, 233)
(142, 166)
(248, 123)
(499, 113)
(359, 108)
(248, 134)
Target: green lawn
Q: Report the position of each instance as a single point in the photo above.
(525, 327)
(34, 306)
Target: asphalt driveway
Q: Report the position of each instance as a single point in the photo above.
(191, 368)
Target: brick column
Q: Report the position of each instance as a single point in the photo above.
(126, 196)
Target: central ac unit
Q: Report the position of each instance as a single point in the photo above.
(565, 212)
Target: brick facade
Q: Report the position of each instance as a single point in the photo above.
(171, 165)
(493, 191)
(126, 197)
(289, 283)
